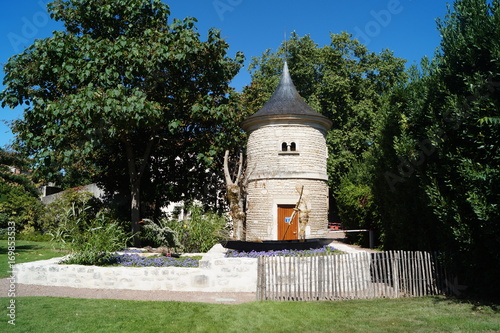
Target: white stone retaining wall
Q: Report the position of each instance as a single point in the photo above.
(215, 274)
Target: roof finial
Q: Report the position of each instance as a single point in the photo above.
(286, 47)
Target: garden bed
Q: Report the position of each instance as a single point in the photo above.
(276, 245)
(215, 273)
(255, 254)
(156, 260)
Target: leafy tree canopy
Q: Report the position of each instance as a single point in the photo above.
(122, 85)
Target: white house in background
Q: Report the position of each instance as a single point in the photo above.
(51, 193)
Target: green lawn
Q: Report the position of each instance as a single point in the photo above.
(47, 314)
(26, 251)
(430, 314)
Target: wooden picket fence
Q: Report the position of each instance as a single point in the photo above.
(363, 275)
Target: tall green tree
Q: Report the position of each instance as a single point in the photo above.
(464, 187)
(122, 85)
(444, 146)
(399, 159)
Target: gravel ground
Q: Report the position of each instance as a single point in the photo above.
(23, 290)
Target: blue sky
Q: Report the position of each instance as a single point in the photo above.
(407, 27)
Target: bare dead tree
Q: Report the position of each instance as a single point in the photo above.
(304, 212)
(235, 191)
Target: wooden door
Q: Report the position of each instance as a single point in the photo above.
(287, 229)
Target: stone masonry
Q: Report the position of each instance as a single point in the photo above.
(215, 274)
(286, 151)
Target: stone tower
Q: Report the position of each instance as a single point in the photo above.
(286, 156)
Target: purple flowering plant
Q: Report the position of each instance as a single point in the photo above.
(254, 254)
(135, 260)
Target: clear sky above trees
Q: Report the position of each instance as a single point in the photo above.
(407, 27)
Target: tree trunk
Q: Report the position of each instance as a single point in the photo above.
(135, 211)
(135, 177)
(235, 197)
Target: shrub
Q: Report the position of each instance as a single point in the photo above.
(81, 225)
(158, 235)
(201, 230)
(19, 201)
(21, 207)
(69, 211)
(96, 245)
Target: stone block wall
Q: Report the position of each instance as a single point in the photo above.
(215, 274)
(267, 160)
(263, 199)
(275, 177)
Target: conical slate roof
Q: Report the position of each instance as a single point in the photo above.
(284, 101)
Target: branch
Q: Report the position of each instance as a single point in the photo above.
(240, 168)
(227, 175)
